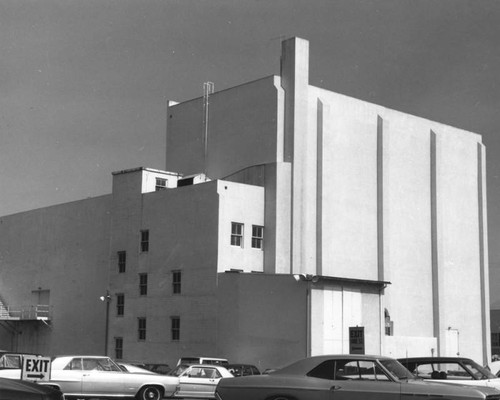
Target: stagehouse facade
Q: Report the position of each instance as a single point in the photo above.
(289, 221)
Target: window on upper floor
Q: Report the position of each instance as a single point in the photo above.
(495, 339)
(257, 237)
(143, 284)
(145, 240)
(141, 329)
(161, 184)
(120, 304)
(118, 348)
(176, 282)
(175, 328)
(237, 234)
(122, 261)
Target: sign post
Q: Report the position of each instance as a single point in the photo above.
(36, 368)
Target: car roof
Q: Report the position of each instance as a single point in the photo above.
(433, 359)
(203, 365)
(79, 356)
(309, 363)
(204, 357)
(241, 365)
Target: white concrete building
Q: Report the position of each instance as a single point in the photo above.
(379, 215)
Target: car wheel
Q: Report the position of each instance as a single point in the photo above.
(150, 393)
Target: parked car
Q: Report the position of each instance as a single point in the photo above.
(494, 367)
(178, 370)
(203, 360)
(200, 381)
(163, 369)
(23, 390)
(242, 369)
(11, 364)
(458, 370)
(268, 371)
(344, 377)
(98, 376)
(134, 369)
(12, 360)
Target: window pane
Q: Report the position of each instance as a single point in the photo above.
(236, 234)
(122, 261)
(142, 329)
(176, 282)
(176, 328)
(160, 184)
(120, 304)
(257, 237)
(143, 284)
(118, 348)
(145, 240)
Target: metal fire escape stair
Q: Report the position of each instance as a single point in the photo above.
(39, 312)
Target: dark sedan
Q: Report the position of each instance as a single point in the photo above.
(22, 390)
(345, 377)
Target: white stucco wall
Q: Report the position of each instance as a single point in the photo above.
(458, 251)
(243, 204)
(349, 187)
(375, 174)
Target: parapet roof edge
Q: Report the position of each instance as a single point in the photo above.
(126, 171)
(224, 90)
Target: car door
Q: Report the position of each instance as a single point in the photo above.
(98, 379)
(69, 378)
(199, 381)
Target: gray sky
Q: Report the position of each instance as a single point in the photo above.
(84, 83)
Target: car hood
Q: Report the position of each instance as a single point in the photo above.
(23, 386)
(495, 383)
(450, 389)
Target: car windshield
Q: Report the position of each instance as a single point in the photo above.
(396, 369)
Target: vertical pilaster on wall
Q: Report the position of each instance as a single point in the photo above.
(483, 254)
(434, 241)
(380, 198)
(295, 82)
(321, 123)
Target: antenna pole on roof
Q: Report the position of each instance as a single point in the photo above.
(208, 89)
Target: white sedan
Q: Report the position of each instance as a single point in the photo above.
(200, 381)
(97, 376)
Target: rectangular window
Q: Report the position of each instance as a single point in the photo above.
(161, 184)
(120, 304)
(145, 240)
(176, 328)
(236, 234)
(495, 339)
(141, 331)
(257, 237)
(143, 284)
(176, 282)
(118, 348)
(122, 261)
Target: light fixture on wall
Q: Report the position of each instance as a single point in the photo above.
(306, 277)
